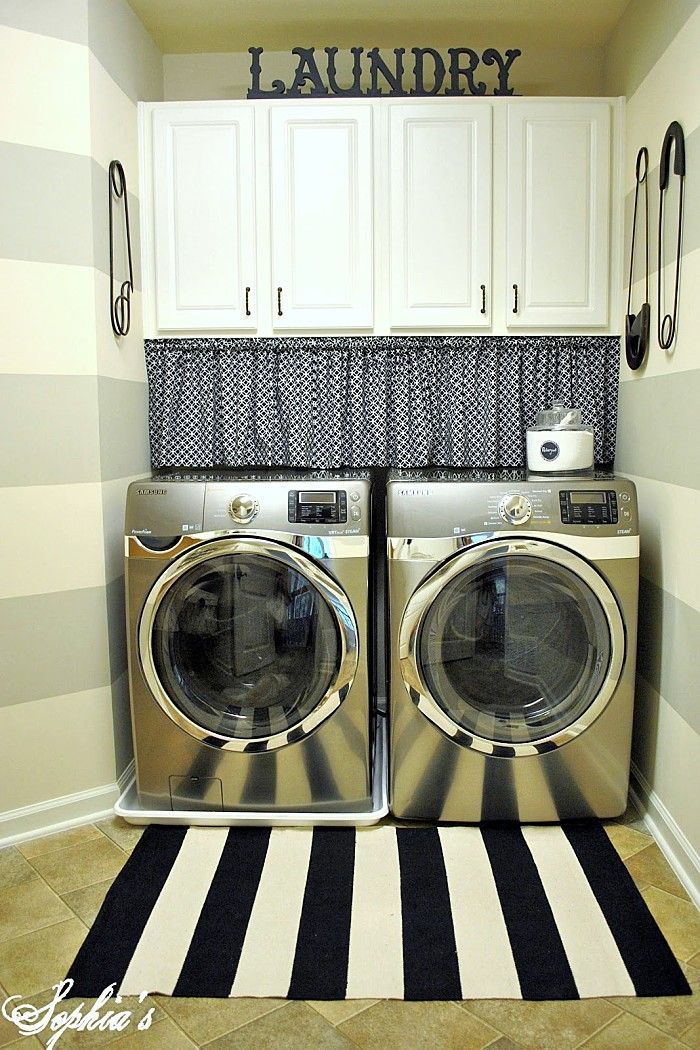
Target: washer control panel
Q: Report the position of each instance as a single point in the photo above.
(243, 508)
(589, 507)
(310, 507)
(516, 509)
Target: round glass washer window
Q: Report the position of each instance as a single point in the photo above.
(245, 646)
(515, 650)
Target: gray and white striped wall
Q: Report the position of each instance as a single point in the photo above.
(652, 59)
(73, 403)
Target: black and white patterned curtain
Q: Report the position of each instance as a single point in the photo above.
(371, 401)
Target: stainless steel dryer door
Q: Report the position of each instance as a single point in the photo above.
(247, 644)
(512, 647)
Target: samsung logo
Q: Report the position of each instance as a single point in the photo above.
(152, 492)
(414, 492)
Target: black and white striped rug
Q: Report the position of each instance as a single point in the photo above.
(546, 912)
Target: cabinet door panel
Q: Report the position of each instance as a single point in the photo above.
(558, 214)
(440, 190)
(321, 171)
(204, 193)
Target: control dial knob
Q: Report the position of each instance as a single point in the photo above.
(243, 508)
(516, 510)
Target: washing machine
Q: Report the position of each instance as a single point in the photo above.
(513, 624)
(248, 637)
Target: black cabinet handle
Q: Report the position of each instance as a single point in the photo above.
(483, 298)
(279, 302)
(515, 298)
(247, 302)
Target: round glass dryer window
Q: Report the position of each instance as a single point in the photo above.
(245, 646)
(514, 650)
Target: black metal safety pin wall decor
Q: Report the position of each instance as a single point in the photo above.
(316, 75)
(673, 138)
(119, 305)
(637, 325)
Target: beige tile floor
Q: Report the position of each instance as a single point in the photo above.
(51, 890)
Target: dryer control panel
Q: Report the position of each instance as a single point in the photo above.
(598, 505)
(588, 506)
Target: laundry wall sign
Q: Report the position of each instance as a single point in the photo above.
(423, 71)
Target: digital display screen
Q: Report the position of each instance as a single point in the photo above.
(318, 497)
(588, 497)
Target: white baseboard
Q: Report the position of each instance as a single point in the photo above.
(673, 843)
(59, 814)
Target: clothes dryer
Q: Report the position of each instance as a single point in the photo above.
(248, 637)
(513, 625)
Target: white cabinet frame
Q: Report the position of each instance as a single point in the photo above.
(381, 266)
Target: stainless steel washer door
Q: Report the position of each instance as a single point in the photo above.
(247, 644)
(512, 647)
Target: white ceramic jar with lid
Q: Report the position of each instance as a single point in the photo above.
(558, 443)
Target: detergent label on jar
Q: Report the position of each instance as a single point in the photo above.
(549, 450)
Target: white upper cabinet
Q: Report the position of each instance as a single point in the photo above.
(440, 215)
(321, 222)
(558, 220)
(204, 217)
(381, 215)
